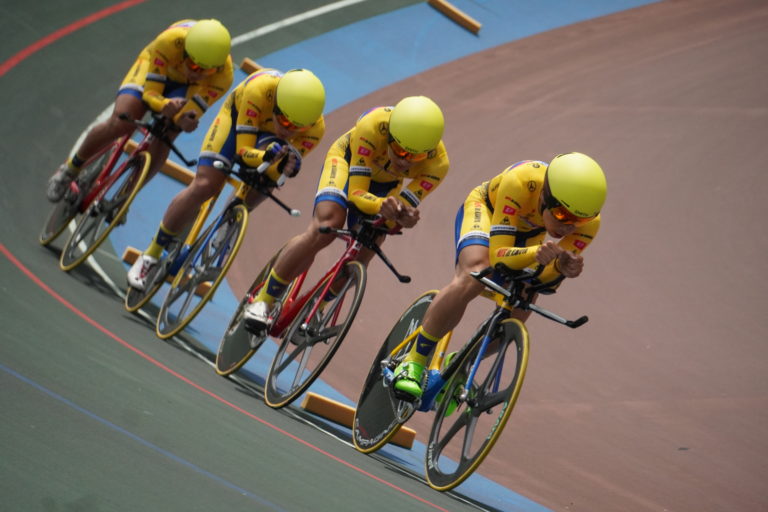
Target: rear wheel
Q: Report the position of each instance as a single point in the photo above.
(460, 441)
(379, 414)
(65, 210)
(203, 270)
(309, 343)
(105, 213)
(238, 345)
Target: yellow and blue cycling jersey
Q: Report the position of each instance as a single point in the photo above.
(159, 74)
(245, 121)
(505, 215)
(357, 168)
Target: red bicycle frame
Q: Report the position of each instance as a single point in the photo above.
(294, 303)
(107, 177)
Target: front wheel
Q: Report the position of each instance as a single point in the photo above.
(106, 212)
(203, 270)
(309, 343)
(379, 414)
(462, 438)
(65, 210)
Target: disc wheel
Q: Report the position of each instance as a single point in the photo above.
(379, 414)
(309, 343)
(65, 210)
(459, 441)
(105, 213)
(238, 345)
(202, 272)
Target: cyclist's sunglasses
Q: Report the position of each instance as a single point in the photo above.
(560, 212)
(200, 69)
(399, 152)
(283, 121)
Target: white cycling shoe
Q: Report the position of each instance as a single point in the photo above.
(256, 316)
(58, 184)
(137, 275)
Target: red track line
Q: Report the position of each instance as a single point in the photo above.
(55, 36)
(211, 394)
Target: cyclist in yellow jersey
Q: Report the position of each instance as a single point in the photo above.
(389, 162)
(180, 74)
(513, 219)
(270, 116)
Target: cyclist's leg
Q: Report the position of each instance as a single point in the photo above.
(330, 210)
(218, 145)
(295, 258)
(299, 253)
(182, 210)
(448, 306)
(95, 140)
(443, 315)
(128, 101)
(184, 207)
(113, 127)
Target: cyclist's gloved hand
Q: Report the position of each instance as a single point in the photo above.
(172, 107)
(188, 121)
(291, 163)
(272, 151)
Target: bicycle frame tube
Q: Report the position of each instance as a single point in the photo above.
(497, 316)
(205, 211)
(439, 355)
(102, 179)
(288, 313)
(202, 216)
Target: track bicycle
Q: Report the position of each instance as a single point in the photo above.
(199, 264)
(472, 391)
(103, 192)
(308, 331)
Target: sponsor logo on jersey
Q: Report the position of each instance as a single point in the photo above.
(508, 210)
(426, 185)
(580, 244)
(363, 151)
(251, 113)
(307, 144)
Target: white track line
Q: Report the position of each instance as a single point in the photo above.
(293, 20)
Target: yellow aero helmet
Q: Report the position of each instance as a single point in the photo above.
(578, 183)
(300, 97)
(416, 124)
(208, 43)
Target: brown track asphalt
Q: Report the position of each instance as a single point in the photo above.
(660, 402)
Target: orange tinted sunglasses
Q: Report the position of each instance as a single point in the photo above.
(562, 214)
(399, 152)
(286, 123)
(200, 69)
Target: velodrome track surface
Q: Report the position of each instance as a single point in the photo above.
(657, 404)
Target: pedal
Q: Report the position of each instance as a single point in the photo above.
(256, 329)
